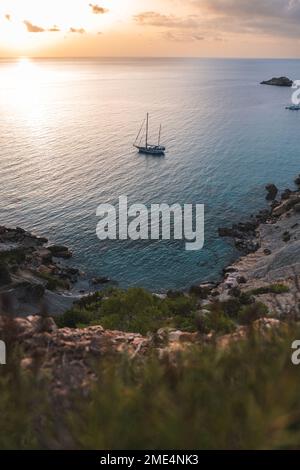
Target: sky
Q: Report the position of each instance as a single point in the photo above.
(150, 28)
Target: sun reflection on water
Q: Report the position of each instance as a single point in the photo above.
(25, 89)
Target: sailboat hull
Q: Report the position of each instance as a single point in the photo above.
(159, 151)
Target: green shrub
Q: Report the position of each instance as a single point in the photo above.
(209, 398)
(23, 401)
(200, 291)
(90, 301)
(230, 307)
(15, 256)
(134, 310)
(272, 289)
(53, 283)
(246, 298)
(75, 317)
(250, 313)
(183, 305)
(217, 321)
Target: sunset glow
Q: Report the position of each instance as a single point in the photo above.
(204, 28)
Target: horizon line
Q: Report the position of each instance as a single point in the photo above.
(24, 56)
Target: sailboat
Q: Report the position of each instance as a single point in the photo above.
(149, 149)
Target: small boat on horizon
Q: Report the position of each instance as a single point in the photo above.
(149, 149)
(293, 107)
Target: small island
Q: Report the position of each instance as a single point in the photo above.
(280, 81)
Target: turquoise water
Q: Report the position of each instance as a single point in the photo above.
(66, 133)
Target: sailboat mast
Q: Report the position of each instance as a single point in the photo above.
(147, 124)
(159, 134)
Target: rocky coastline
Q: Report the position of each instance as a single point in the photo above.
(269, 243)
(34, 281)
(35, 277)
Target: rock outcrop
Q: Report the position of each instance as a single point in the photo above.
(31, 279)
(280, 81)
(276, 260)
(272, 191)
(71, 356)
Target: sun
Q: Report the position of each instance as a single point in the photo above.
(34, 27)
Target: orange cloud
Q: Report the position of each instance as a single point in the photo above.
(97, 10)
(31, 28)
(77, 30)
(54, 29)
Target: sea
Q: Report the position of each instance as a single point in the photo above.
(66, 132)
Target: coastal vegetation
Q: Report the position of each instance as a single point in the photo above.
(139, 311)
(135, 310)
(271, 289)
(208, 398)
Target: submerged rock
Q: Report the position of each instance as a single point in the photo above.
(272, 192)
(60, 251)
(100, 280)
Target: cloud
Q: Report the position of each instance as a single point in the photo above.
(54, 29)
(227, 18)
(253, 8)
(152, 18)
(174, 28)
(182, 36)
(97, 10)
(77, 30)
(267, 17)
(31, 28)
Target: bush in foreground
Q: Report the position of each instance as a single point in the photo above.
(244, 397)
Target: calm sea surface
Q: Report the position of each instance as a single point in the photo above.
(66, 133)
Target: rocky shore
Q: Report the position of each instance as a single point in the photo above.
(36, 285)
(270, 246)
(35, 278)
(34, 275)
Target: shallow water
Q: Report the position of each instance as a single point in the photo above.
(66, 133)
